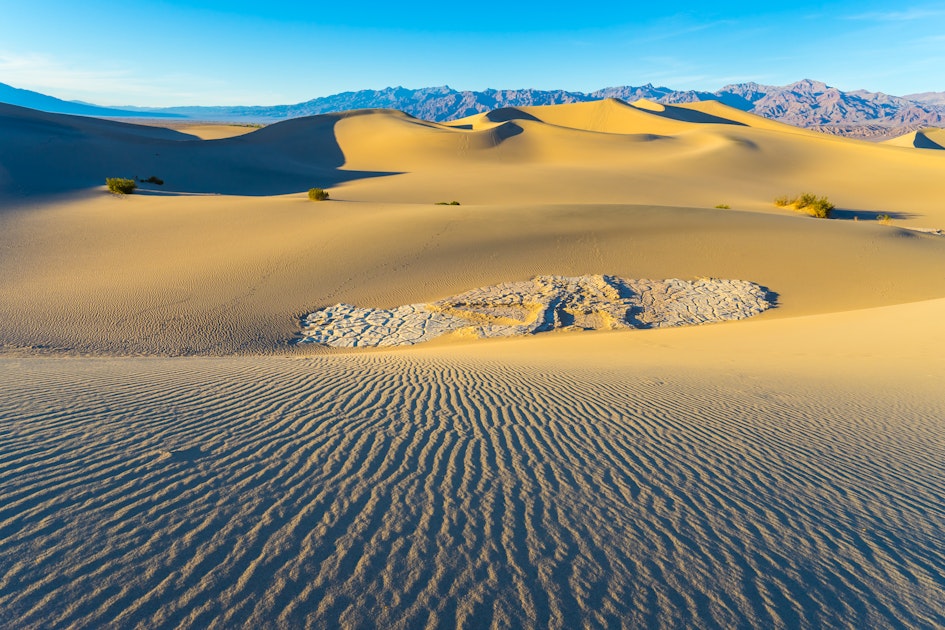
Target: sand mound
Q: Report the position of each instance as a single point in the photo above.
(538, 305)
(603, 152)
(609, 116)
(922, 139)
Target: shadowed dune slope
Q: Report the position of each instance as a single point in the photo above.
(45, 154)
(610, 115)
(603, 152)
(611, 152)
(923, 139)
(716, 477)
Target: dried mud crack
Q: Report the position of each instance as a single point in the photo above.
(544, 303)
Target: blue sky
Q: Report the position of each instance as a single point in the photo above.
(211, 52)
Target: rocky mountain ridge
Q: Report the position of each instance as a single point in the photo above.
(806, 103)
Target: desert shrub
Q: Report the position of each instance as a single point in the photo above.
(809, 203)
(120, 185)
(447, 203)
(317, 194)
(821, 208)
(805, 200)
(154, 180)
(723, 206)
(885, 219)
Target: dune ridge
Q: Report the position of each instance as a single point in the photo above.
(599, 152)
(931, 138)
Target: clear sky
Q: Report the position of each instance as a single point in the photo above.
(229, 52)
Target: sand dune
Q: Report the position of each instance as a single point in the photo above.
(638, 157)
(922, 139)
(178, 275)
(199, 129)
(783, 471)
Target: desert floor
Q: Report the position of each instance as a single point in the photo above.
(168, 458)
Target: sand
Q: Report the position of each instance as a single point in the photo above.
(198, 129)
(931, 138)
(168, 458)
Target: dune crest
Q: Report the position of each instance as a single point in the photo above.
(930, 138)
(544, 303)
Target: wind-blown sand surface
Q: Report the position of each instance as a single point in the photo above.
(781, 471)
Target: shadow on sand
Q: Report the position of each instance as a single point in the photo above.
(52, 154)
(867, 215)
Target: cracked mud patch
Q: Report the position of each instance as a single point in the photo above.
(541, 304)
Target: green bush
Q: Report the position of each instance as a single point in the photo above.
(154, 180)
(120, 185)
(885, 219)
(317, 194)
(723, 206)
(809, 203)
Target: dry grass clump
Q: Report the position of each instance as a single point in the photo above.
(808, 203)
(318, 194)
(120, 185)
(447, 203)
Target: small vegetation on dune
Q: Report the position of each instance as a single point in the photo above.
(885, 219)
(723, 206)
(447, 203)
(808, 203)
(154, 180)
(318, 194)
(120, 185)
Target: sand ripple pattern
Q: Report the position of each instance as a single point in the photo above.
(393, 491)
(544, 303)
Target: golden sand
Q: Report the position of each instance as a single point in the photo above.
(782, 471)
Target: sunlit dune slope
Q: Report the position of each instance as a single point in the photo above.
(931, 138)
(606, 152)
(221, 274)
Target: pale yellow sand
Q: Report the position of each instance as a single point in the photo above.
(931, 138)
(204, 130)
(781, 471)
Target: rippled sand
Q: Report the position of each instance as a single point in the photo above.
(397, 490)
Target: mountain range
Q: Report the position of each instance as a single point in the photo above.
(806, 103)
(45, 103)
